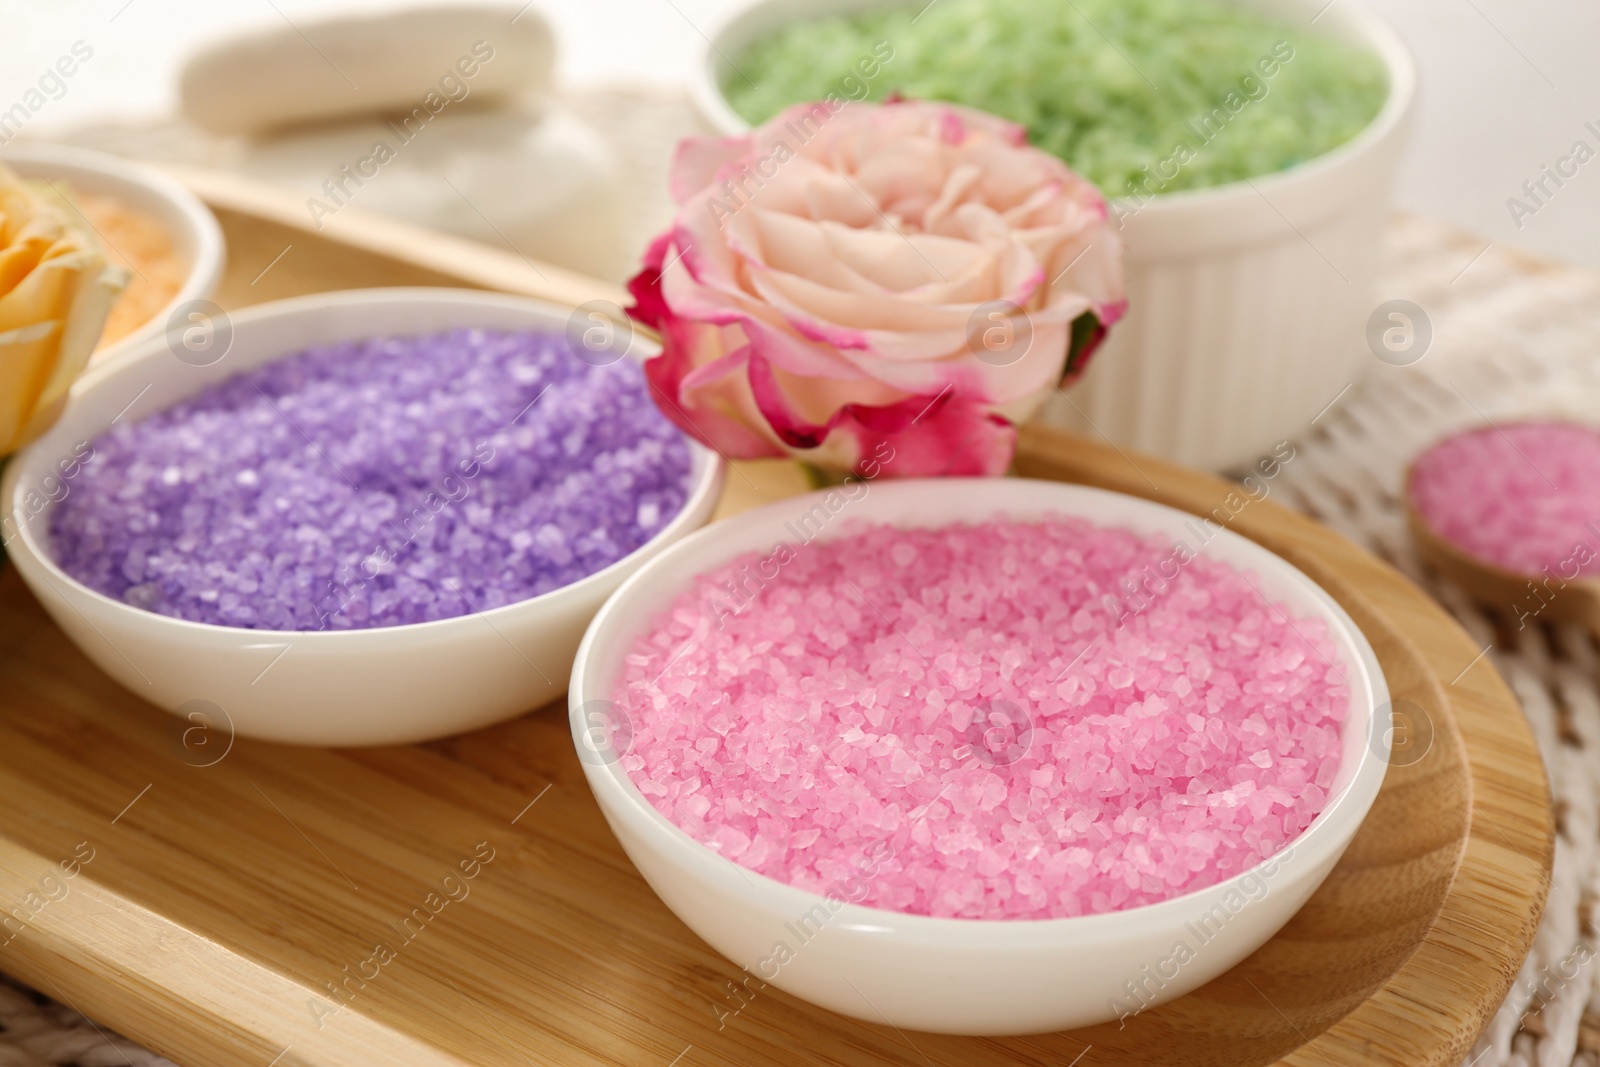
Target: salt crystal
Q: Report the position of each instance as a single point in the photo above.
(1520, 496)
(1097, 780)
(442, 452)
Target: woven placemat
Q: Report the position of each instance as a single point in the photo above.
(36, 1031)
(1511, 336)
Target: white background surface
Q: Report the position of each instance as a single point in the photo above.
(1506, 84)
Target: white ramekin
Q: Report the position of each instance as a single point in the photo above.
(958, 975)
(194, 230)
(388, 685)
(1248, 301)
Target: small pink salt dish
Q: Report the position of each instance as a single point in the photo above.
(1511, 513)
(975, 976)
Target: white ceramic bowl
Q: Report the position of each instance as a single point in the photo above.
(388, 685)
(194, 230)
(1248, 302)
(958, 975)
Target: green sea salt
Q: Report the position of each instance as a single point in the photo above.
(1140, 96)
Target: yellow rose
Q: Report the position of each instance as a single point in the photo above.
(56, 290)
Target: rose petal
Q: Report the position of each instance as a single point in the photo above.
(824, 280)
(697, 161)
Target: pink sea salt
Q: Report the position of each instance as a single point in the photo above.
(1522, 496)
(982, 721)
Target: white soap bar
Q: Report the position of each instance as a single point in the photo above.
(323, 67)
(544, 186)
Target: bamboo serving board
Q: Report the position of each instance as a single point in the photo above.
(225, 901)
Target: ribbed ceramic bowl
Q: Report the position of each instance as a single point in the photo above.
(388, 685)
(194, 230)
(1248, 302)
(957, 975)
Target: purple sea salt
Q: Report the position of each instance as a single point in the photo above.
(375, 483)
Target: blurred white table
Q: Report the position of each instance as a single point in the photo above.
(1507, 84)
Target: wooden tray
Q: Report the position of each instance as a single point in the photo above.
(226, 907)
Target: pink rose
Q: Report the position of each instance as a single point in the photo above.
(887, 286)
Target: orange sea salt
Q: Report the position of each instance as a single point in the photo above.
(134, 240)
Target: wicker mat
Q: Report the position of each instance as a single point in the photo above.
(1512, 336)
(35, 1031)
